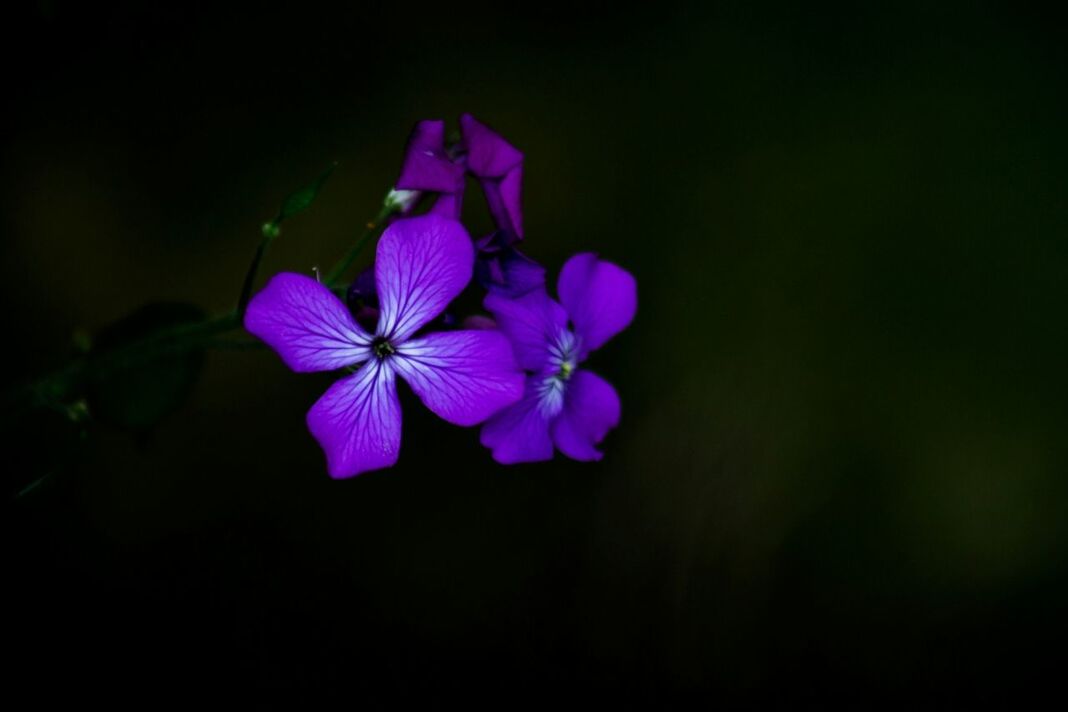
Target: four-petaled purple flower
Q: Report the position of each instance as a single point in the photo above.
(561, 404)
(463, 376)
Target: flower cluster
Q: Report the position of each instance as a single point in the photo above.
(518, 373)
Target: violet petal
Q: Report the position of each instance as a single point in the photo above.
(530, 322)
(520, 432)
(449, 205)
(306, 324)
(358, 421)
(462, 376)
(426, 166)
(591, 409)
(488, 154)
(502, 199)
(509, 272)
(510, 189)
(421, 265)
(600, 297)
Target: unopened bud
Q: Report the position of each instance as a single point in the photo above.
(401, 201)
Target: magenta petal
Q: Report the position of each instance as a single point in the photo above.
(449, 205)
(426, 166)
(488, 155)
(510, 189)
(462, 376)
(306, 324)
(520, 432)
(591, 409)
(508, 272)
(491, 189)
(422, 264)
(358, 421)
(531, 323)
(600, 297)
(502, 199)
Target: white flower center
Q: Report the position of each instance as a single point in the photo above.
(563, 359)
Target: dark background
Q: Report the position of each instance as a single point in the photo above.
(840, 473)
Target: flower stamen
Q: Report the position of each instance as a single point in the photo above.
(382, 348)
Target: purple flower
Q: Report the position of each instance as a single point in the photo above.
(463, 376)
(563, 405)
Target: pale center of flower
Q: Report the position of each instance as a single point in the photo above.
(381, 347)
(563, 360)
(563, 353)
(551, 396)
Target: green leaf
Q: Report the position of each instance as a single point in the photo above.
(143, 368)
(300, 201)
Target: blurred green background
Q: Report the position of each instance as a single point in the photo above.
(841, 468)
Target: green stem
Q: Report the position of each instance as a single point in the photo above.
(250, 276)
(57, 386)
(339, 269)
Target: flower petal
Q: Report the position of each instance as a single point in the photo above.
(462, 376)
(600, 297)
(449, 205)
(358, 421)
(515, 273)
(488, 155)
(508, 191)
(422, 264)
(531, 323)
(306, 324)
(503, 269)
(520, 432)
(502, 199)
(426, 165)
(591, 409)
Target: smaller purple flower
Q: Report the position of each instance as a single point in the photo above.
(422, 264)
(562, 405)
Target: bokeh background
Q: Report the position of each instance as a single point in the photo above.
(841, 470)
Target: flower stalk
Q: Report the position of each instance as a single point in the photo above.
(338, 270)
